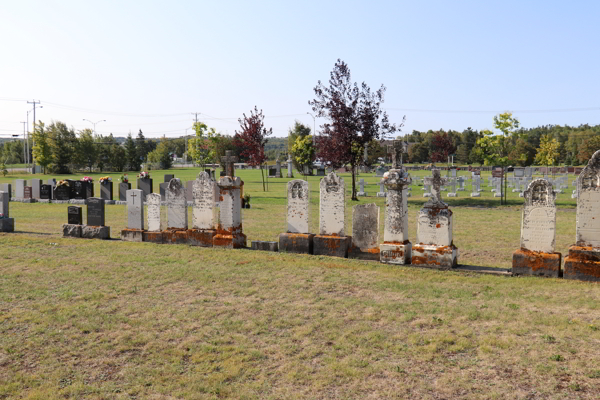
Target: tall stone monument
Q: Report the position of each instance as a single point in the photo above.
(538, 231)
(297, 239)
(204, 211)
(396, 249)
(177, 214)
(332, 239)
(434, 245)
(229, 230)
(583, 261)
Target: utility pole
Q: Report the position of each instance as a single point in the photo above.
(24, 151)
(33, 143)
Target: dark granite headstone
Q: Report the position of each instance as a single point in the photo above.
(62, 192)
(320, 171)
(222, 173)
(106, 190)
(75, 215)
(27, 191)
(123, 188)
(89, 189)
(272, 171)
(95, 211)
(162, 188)
(145, 185)
(46, 192)
(168, 177)
(79, 191)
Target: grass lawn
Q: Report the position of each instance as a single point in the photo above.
(110, 319)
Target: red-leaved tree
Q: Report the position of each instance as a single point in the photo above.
(252, 139)
(441, 147)
(354, 118)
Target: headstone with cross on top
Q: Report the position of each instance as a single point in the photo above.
(229, 159)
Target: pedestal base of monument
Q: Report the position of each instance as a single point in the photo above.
(7, 225)
(427, 255)
(132, 235)
(71, 230)
(582, 263)
(497, 194)
(527, 262)
(452, 194)
(264, 245)
(175, 236)
(95, 232)
(363, 254)
(361, 194)
(152, 237)
(201, 237)
(395, 253)
(230, 240)
(296, 243)
(334, 246)
(475, 194)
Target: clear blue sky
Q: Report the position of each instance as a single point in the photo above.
(150, 64)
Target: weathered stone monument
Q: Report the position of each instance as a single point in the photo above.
(297, 239)
(135, 217)
(229, 230)
(290, 172)
(362, 192)
(583, 261)
(278, 168)
(7, 224)
(434, 245)
(154, 232)
(538, 231)
(177, 214)
(365, 232)
(204, 211)
(331, 240)
(476, 186)
(382, 192)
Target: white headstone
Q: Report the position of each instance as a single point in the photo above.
(230, 206)
(297, 206)
(365, 226)
(153, 202)
(177, 212)
(135, 209)
(434, 223)
(332, 205)
(205, 194)
(538, 224)
(588, 204)
(396, 207)
(20, 188)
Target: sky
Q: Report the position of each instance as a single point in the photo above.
(152, 65)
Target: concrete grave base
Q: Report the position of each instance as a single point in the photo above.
(362, 194)
(296, 243)
(526, 262)
(574, 196)
(152, 237)
(435, 256)
(582, 263)
(426, 194)
(71, 230)
(229, 241)
(497, 194)
(334, 246)
(201, 237)
(452, 194)
(475, 194)
(7, 225)
(381, 194)
(363, 254)
(516, 191)
(460, 190)
(395, 253)
(132, 235)
(265, 245)
(95, 232)
(175, 236)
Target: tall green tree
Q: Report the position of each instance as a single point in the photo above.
(62, 145)
(304, 152)
(547, 153)
(496, 147)
(131, 154)
(162, 154)
(118, 157)
(299, 130)
(86, 152)
(202, 148)
(141, 146)
(41, 150)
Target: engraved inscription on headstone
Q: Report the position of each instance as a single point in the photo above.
(332, 205)
(297, 206)
(95, 211)
(135, 209)
(538, 226)
(75, 215)
(153, 210)
(205, 193)
(365, 226)
(588, 204)
(176, 205)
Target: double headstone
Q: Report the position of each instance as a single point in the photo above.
(331, 239)
(538, 231)
(583, 261)
(396, 249)
(434, 230)
(297, 238)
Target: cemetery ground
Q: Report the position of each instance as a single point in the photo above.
(110, 319)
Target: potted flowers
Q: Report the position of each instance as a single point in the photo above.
(106, 188)
(62, 190)
(144, 183)
(88, 188)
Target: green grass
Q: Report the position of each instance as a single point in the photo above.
(111, 319)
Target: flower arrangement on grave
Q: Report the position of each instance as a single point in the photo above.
(144, 175)
(124, 178)
(105, 179)
(87, 179)
(62, 182)
(2, 216)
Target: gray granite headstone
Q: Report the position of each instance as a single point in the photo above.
(4, 199)
(168, 178)
(35, 188)
(177, 211)
(205, 194)
(145, 185)
(135, 209)
(95, 211)
(75, 215)
(365, 226)
(7, 187)
(162, 188)
(106, 190)
(20, 188)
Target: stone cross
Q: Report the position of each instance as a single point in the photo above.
(397, 149)
(229, 159)
(436, 181)
(362, 184)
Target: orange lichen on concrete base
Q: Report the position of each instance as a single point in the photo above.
(582, 263)
(201, 237)
(527, 262)
(438, 256)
